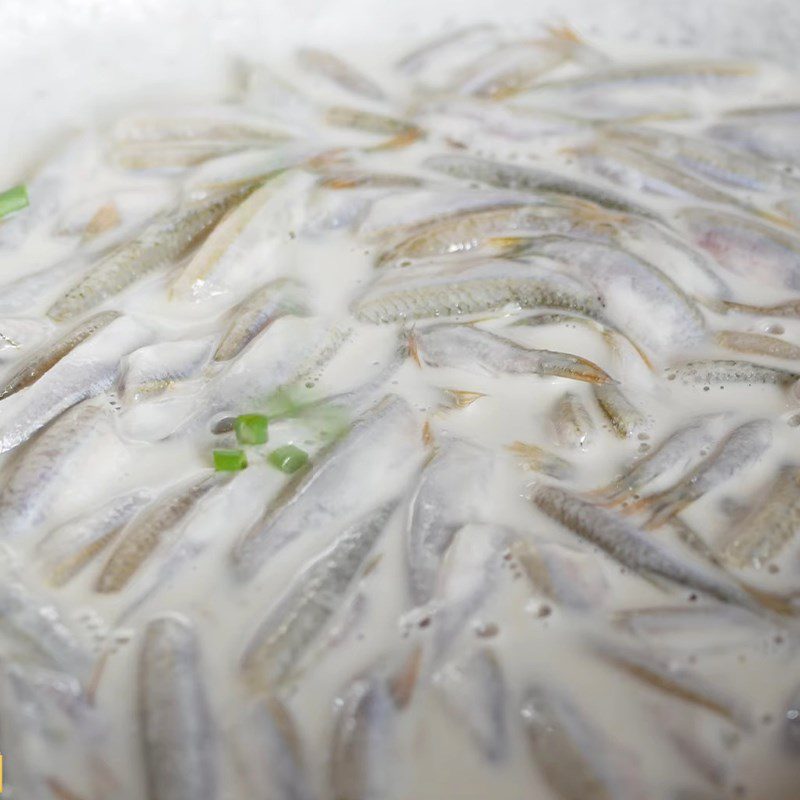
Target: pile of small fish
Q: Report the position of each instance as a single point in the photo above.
(419, 430)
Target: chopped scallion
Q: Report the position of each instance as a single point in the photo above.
(288, 458)
(229, 460)
(13, 200)
(251, 428)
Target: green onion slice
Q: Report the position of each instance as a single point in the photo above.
(251, 428)
(229, 460)
(13, 200)
(288, 459)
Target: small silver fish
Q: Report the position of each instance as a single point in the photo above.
(466, 347)
(573, 424)
(680, 447)
(256, 313)
(34, 476)
(36, 365)
(152, 370)
(758, 344)
(314, 596)
(158, 244)
(630, 546)
(740, 449)
(155, 525)
(530, 179)
(487, 286)
(384, 439)
(446, 497)
(66, 550)
(746, 247)
(176, 728)
(362, 746)
(722, 371)
(87, 371)
(681, 684)
(35, 631)
(707, 159)
(769, 526)
(570, 752)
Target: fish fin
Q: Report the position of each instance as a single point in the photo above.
(397, 142)
(403, 682)
(413, 347)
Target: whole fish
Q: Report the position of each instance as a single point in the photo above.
(745, 247)
(470, 231)
(470, 348)
(573, 424)
(530, 179)
(626, 419)
(640, 300)
(681, 447)
(722, 371)
(157, 245)
(740, 449)
(707, 159)
(339, 72)
(681, 684)
(571, 754)
(176, 729)
(630, 546)
(155, 525)
(669, 74)
(446, 497)
(152, 370)
(339, 483)
(635, 170)
(40, 362)
(256, 313)
(89, 370)
(489, 286)
(66, 550)
(58, 452)
(769, 526)
(758, 343)
(473, 690)
(271, 208)
(315, 595)
(271, 751)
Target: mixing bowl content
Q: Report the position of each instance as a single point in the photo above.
(416, 426)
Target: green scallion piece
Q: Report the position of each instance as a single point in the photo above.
(251, 428)
(13, 200)
(288, 458)
(229, 460)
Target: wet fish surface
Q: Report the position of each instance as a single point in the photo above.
(406, 420)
